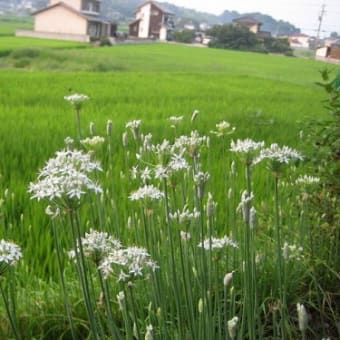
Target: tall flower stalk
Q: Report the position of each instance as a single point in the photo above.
(63, 181)
(277, 157)
(10, 254)
(77, 101)
(248, 149)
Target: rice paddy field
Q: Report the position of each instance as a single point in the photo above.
(181, 227)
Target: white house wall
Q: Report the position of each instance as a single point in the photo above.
(60, 20)
(144, 14)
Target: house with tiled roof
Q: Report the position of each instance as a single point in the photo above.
(78, 20)
(152, 21)
(252, 24)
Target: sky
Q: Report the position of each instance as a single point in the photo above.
(303, 14)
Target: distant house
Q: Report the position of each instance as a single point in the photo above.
(249, 22)
(152, 21)
(329, 52)
(299, 41)
(77, 20)
(253, 25)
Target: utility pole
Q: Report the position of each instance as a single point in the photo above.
(319, 25)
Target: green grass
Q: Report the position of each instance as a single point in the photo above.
(265, 97)
(9, 24)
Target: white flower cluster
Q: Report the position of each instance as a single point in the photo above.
(147, 192)
(192, 143)
(306, 179)
(77, 100)
(134, 126)
(302, 317)
(97, 245)
(292, 252)
(10, 254)
(65, 176)
(185, 216)
(94, 141)
(246, 146)
(217, 243)
(175, 119)
(279, 154)
(223, 128)
(178, 163)
(127, 263)
(232, 326)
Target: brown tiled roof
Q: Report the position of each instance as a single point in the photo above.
(62, 4)
(247, 20)
(156, 5)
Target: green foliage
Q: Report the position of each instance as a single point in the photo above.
(274, 45)
(232, 37)
(25, 53)
(105, 42)
(185, 36)
(240, 38)
(325, 136)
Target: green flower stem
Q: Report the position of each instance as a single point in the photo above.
(279, 257)
(62, 279)
(134, 310)
(80, 259)
(10, 315)
(172, 256)
(111, 322)
(187, 289)
(249, 266)
(78, 123)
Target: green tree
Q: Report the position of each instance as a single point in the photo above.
(233, 37)
(185, 36)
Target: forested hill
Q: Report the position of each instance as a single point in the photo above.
(123, 11)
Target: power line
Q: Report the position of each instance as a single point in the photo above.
(323, 7)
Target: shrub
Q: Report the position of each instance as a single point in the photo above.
(22, 63)
(25, 53)
(105, 42)
(185, 36)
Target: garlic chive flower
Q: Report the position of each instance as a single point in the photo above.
(214, 243)
(147, 192)
(66, 177)
(223, 128)
(149, 332)
(192, 144)
(307, 180)
(292, 252)
(232, 326)
(247, 148)
(194, 115)
(245, 205)
(200, 179)
(97, 245)
(302, 317)
(127, 264)
(77, 100)
(134, 126)
(175, 119)
(227, 279)
(185, 216)
(10, 254)
(277, 156)
(92, 142)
